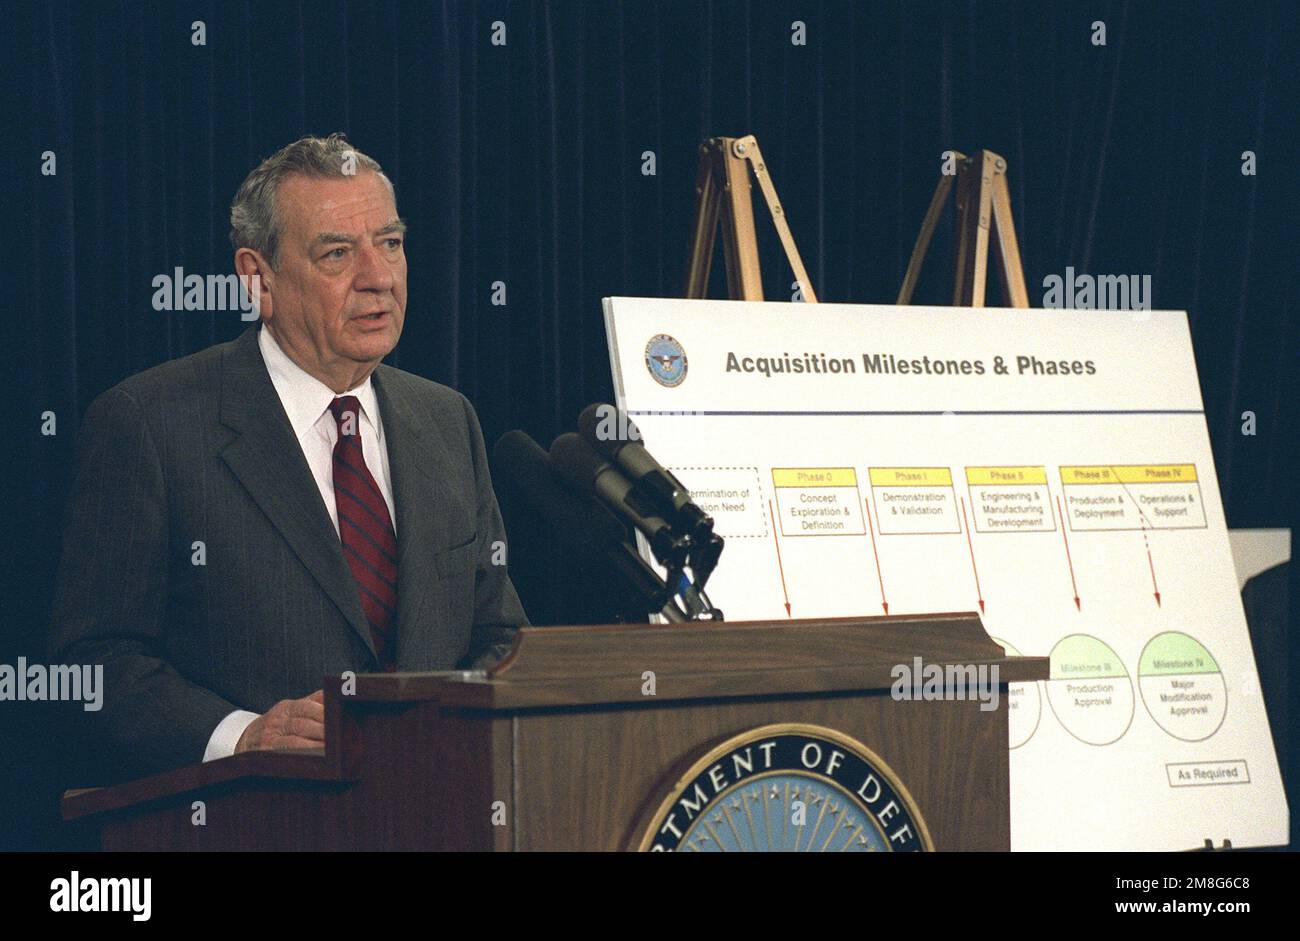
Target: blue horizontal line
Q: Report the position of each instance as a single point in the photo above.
(1121, 411)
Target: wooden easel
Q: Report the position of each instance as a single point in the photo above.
(723, 195)
(983, 208)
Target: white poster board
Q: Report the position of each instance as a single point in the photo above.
(1050, 468)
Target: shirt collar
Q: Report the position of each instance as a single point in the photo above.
(304, 397)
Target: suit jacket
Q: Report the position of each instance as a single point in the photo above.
(200, 566)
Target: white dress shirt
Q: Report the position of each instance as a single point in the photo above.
(306, 401)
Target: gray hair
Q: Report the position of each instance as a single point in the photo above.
(254, 219)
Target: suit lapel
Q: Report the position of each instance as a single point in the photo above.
(268, 460)
(415, 497)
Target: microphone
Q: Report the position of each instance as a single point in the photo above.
(581, 520)
(620, 446)
(577, 518)
(587, 471)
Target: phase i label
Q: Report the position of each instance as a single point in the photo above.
(914, 500)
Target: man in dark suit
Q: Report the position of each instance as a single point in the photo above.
(269, 511)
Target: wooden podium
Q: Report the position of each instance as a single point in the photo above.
(584, 738)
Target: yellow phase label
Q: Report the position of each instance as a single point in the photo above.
(814, 477)
(910, 477)
(1129, 474)
(1006, 475)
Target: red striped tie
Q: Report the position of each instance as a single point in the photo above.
(369, 543)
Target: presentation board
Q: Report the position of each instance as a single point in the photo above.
(1049, 469)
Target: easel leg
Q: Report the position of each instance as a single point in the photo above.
(724, 195)
(983, 205)
(707, 202)
(923, 238)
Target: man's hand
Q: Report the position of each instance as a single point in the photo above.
(290, 723)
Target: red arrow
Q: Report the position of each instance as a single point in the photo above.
(972, 555)
(1152, 565)
(883, 603)
(779, 566)
(1060, 515)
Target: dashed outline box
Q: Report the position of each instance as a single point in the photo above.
(758, 488)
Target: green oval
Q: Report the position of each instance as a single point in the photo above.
(1082, 656)
(1174, 652)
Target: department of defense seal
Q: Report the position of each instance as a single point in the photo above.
(786, 788)
(666, 360)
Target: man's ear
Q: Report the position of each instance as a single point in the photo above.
(257, 279)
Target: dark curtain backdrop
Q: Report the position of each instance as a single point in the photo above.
(523, 164)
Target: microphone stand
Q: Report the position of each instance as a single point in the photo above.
(700, 558)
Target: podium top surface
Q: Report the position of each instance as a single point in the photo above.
(558, 666)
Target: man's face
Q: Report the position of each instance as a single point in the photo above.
(338, 293)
